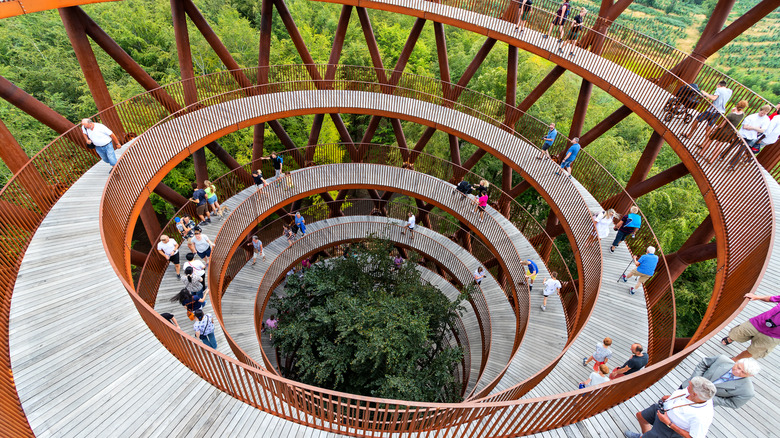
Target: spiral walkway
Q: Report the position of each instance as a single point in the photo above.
(66, 392)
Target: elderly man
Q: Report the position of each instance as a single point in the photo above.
(684, 413)
(102, 139)
(754, 126)
(763, 331)
(731, 379)
(645, 268)
(638, 360)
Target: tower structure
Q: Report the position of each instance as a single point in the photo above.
(172, 122)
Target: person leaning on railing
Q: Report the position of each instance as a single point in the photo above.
(763, 331)
(754, 126)
(724, 133)
(628, 225)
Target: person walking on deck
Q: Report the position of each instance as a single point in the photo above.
(203, 245)
(204, 328)
(719, 99)
(531, 271)
(276, 162)
(301, 223)
(524, 9)
(598, 376)
(603, 222)
(411, 222)
(479, 274)
(628, 225)
(101, 138)
(601, 355)
(551, 286)
(560, 19)
(481, 205)
(763, 331)
(202, 209)
(549, 138)
(645, 268)
(169, 249)
(257, 248)
(571, 155)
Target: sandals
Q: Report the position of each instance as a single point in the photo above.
(726, 341)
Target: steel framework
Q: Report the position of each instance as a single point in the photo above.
(741, 253)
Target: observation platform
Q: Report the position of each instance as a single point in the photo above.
(86, 364)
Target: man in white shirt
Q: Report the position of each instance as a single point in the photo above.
(684, 413)
(551, 286)
(169, 249)
(102, 138)
(711, 115)
(772, 133)
(755, 125)
(410, 224)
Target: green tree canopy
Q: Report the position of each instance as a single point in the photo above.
(358, 325)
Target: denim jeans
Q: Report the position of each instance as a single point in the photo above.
(209, 340)
(106, 153)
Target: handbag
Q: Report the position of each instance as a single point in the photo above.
(190, 315)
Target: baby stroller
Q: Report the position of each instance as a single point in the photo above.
(685, 98)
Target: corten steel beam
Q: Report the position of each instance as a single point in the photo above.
(719, 38)
(330, 73)
(444, 74)
(580, 109)
(371, 44)
(137, 258)
(150, 222)
(263, 59)
(605, 125)
(89, 66)
(15, 158)
(125, 61)
(642, 169)
(314, 135)
(35, 108)
(11, 151)
(297, 39)
(227, 159)
(171, 196)
(697, 248)
(400, 65)
(770, 156)
(186, 69)
(658, 180)
(216, 44)
(511, 100)
(14, 8)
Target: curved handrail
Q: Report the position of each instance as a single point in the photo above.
(289, 257)
(356, 207)
(59, 176)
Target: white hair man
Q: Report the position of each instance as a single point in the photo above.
(645, 268)
(731, 379)
(102, 139)
(684, 413)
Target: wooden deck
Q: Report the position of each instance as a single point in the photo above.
(85, 364)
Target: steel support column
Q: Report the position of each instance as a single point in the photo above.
(89, 66)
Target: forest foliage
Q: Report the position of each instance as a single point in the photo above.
(36, 55)
(358, 324)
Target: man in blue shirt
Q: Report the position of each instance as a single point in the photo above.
(548, 141)
(645, 268)
(531, 271)
(199, 197)
(571, 155)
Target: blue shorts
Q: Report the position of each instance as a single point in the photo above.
(212, 200)
(566, 164)
(204, 254)
(709, 116)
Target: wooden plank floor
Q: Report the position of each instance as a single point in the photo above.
(238, 301)
(85, 364)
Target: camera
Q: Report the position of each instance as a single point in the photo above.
(660, 405)
(770, 324)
